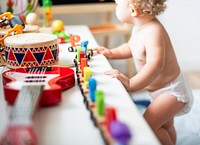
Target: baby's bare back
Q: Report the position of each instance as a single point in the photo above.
(170, 68)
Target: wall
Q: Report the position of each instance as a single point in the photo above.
(181, 19)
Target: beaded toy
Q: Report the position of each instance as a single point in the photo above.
(104, 117)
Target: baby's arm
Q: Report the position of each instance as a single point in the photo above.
(120, 52)
(120, 76)
(155, 60)
(155, 56)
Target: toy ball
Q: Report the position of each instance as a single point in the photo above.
(57, 25)
(32, 19)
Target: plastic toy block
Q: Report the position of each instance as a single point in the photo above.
(78, 48)
(92, 85)
(84, 45)
(100, 104)
(83, 64)
(74, 39)
(111, 115)
(87, 73)
(82, 55)
(120, 132)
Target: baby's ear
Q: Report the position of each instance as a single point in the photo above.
(133, 10)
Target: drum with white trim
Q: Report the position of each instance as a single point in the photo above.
(31, 49)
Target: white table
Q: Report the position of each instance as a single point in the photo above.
(69, 123)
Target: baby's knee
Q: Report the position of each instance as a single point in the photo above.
(152, 123)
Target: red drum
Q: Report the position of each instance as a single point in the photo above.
(31, 49)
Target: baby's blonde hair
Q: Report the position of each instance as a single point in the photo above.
(149, 7)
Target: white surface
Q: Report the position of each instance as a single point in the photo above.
(69, 123)
(184, 31)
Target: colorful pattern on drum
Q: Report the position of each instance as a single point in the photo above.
(31, 49)
(24, 57)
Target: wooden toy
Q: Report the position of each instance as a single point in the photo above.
(104, 117)
(84, 45)
(55, 80)
(16, 25)
(58, 30)
(75, 40)
(9, 5)
(76, 46)
(32, 19)
(92, 84)
(31, 49)
(47, 11)
(20, 128)
(30, 7)
(30, 88)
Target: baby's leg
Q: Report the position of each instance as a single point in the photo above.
(160, 114)
(169, 127)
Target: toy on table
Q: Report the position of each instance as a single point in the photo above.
(113, 131)
(9, 5)
(31, 6)
(47, 11)
(31, 49)
(8, 21)
(59, 30)
(32, 19)
(77, 46)
(23, 50)
(19, 130)
(28, 88)
(55, 80)
(16, 27)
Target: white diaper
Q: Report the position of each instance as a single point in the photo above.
(180, 89)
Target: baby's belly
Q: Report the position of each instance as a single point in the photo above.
(153, 87)
(161, 81)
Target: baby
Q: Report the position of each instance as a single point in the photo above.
(157, 68)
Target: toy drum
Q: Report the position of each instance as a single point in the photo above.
(31, 49)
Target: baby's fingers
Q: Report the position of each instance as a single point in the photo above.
(113, 71)
(99, 49)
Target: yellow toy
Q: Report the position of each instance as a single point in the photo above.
(58, 29)
(57, 26)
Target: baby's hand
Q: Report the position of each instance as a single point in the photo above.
(103, 50)
(120, 76)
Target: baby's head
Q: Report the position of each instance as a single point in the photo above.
(149, 7)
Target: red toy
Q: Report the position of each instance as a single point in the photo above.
(20, 129)
(55, 80)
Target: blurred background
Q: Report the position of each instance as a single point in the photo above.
(181, 20)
